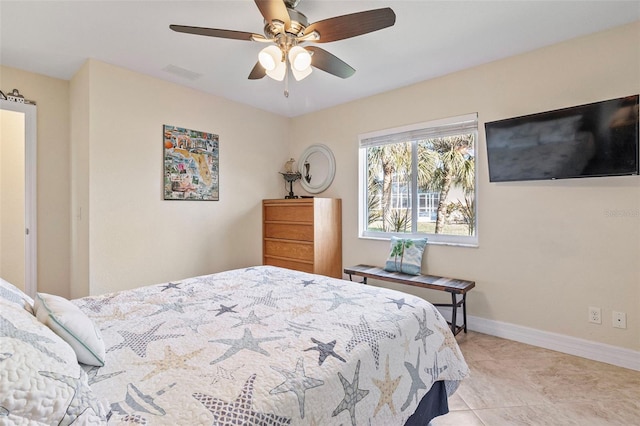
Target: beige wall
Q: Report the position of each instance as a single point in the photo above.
(547, 250)
(52, 97)
(12, 196)
(79, 182)
(136, 238)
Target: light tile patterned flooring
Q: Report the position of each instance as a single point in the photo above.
(516, 384)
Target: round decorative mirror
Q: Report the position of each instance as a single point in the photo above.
(317, 167)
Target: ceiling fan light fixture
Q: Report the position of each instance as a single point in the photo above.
(299, 58)
(278, 72)
(299, 75)
(270, 57)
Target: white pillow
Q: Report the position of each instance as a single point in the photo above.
(73, 326)
(41, 382)
(14, 294)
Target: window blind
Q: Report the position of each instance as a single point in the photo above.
(421, 131)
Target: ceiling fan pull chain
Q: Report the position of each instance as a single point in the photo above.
(286, 79)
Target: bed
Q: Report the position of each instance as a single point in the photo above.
(259, 346)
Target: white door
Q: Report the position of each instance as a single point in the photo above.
(18, 262)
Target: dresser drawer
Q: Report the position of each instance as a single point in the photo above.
(283, 213)
(291, 250)
(287, 231)
(289, 264)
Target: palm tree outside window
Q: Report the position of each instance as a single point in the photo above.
(420, 181)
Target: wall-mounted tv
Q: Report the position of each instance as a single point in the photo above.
(597, 139)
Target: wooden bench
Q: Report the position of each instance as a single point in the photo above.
(451, 285)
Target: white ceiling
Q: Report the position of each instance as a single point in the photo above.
(429, 39)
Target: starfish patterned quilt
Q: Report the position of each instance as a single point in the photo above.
(268, 346)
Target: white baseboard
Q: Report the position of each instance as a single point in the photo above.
(609, 354)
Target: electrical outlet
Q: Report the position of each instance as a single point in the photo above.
(619, 320)
(595, 315)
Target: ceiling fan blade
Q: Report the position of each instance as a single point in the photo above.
(274, 9)
(257, 72)
(213, 32)
(325, 61)
(354, 24)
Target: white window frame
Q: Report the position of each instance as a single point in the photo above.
(450, 126)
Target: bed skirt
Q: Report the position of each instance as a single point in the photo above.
(432, 405)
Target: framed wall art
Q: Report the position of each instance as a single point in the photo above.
(191, 161)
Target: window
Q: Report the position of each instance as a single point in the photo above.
(420, 181)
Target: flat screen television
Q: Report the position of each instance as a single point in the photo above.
(597, 139)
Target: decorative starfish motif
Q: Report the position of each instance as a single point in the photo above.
(119, 314)
(247, 341)
(325, 350)
(407, 345)
(266, 300)
(296, 382)
(223, 373)
(363, 333)
(196, 294)
(228, 287)
(239, 411)
(134, 419)
(392, 318)
(92, 374)
(352, 395)
(298, 328)
(286, 345)
(82, 398)
(264, 280)
(138, 342)
(340, 300)
(171, 285)
(194, 323)
(137, 402)
(387, 388)
(177, 306)
(300, 310)
(399, 302)
(96, 304)
(11, 296)
(423, 330)
(371, 290)
(328, 286)
(313, 421)
(170, 361)
(449, 341)
(32, 339)
(224, 309)
(436, 312)
(416, 382)
(435, 371)
(252, 318)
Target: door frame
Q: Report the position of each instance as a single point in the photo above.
(30, 189)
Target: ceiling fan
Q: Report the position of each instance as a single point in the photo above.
(286, 30)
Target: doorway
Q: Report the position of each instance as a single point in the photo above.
(18, 237)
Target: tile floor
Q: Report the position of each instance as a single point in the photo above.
(516, 384)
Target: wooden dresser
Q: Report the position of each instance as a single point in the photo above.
(304, 234)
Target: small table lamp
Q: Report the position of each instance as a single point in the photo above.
(290, 176)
